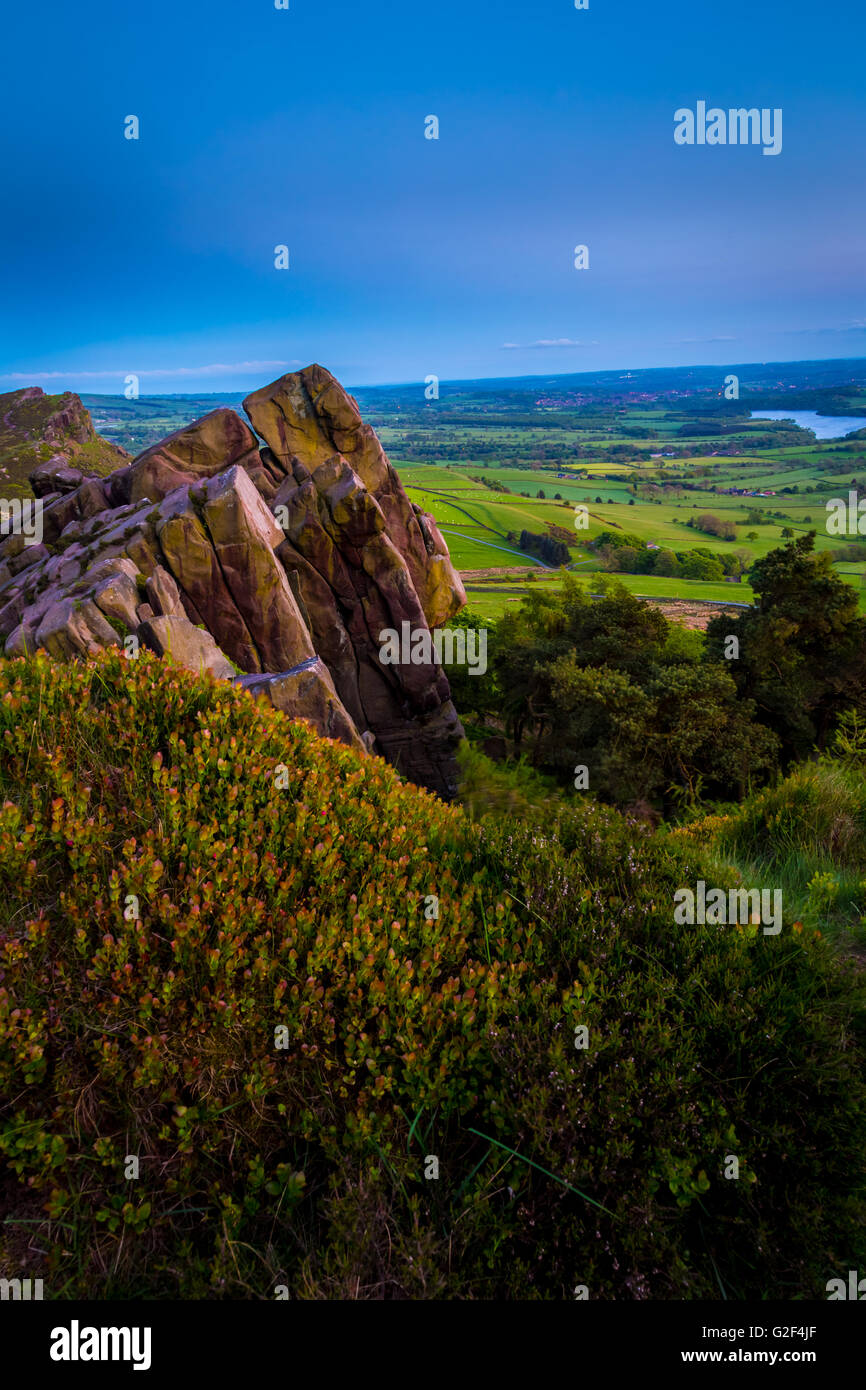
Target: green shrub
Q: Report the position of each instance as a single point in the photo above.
(408, 1035)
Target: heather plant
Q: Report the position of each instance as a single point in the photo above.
(274, 1023)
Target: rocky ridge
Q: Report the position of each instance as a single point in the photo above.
(271, 553)
(52, 432)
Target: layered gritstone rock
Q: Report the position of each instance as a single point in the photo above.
(307, 417)
(277, 564)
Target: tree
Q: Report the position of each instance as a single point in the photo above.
(550, 548)
(624, 559)
(699, 564)
(743, 560)
(703, 737)
(472, 693)
(802, 647)
(787, 533)
(665, 563)
(600, 683)
(714, 526)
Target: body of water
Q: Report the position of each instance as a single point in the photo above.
(824, 426)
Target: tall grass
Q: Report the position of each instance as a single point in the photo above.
(807, 836)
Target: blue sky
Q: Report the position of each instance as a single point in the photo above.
(410, 256)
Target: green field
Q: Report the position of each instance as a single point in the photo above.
(475, 513)
(493, 598)
(652, 499)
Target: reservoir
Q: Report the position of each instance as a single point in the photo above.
(824, 426)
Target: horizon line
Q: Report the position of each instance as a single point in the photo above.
(458, 381)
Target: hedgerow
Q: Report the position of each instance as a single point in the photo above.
(295, 988)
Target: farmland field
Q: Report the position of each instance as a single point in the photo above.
(645, 469)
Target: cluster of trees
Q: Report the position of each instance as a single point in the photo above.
(493, 484)
(549, 548)
(677, 564)
(713, 525)
(657, 713)
(610, 686)
(779, 439)
(834, 469)
(623, 553)
(802, 647)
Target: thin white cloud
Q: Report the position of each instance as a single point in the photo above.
(551, 343)
(855, 326)
(721, 339)
(213, 369)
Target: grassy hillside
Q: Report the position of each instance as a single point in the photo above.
(476, 520)
(35, 427)
(808, 836)
(339, 1023)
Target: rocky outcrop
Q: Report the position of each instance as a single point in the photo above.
(183, 644)
(308, 417)
(273, 555)
(307, 692)
(51, 441)
(196, 452)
